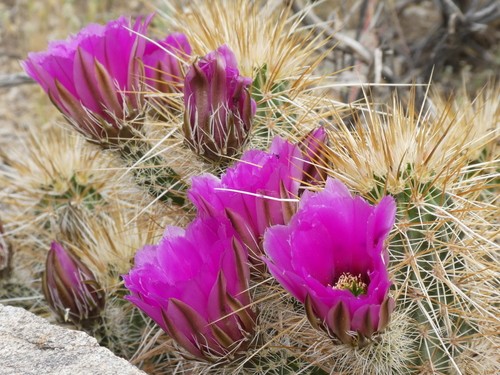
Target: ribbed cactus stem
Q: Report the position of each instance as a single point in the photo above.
(280, 362)
(269, 96)
(430, 264)
(152, 173)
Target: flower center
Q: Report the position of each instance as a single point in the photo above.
(352, 283)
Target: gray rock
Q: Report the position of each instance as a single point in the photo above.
(31, 345)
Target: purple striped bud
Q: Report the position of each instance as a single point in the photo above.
(218, 107)
(313, 147)
(70, 288)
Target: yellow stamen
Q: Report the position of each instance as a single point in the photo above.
(352, 283)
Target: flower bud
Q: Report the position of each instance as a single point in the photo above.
(218, 107)
(315, 159)
(70, 288)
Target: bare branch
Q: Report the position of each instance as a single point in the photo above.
(15, 79)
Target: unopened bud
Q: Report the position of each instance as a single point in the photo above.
(313, 147)
(70, 288)
(218, 107)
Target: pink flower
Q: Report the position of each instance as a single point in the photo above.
(332, 257)
(254, 194)
(95, 77)
(163, 62)
(219, 108)
(194, 284)
(70, 288)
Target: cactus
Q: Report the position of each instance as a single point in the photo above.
(441, 168)
(439, 255)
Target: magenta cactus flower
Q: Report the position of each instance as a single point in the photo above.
(94, 77)
(332, 257)
(163, 62)
(194, 285)
(70, 288)
(218, 107)
(255, 193)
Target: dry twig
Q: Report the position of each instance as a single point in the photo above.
(14, 79)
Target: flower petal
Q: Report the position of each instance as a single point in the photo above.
(334, 236)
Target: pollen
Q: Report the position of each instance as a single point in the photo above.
(352, 283)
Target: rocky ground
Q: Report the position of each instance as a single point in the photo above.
(30, 345)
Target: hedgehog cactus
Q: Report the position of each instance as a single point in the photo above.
(319, 246)
(437, 256)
